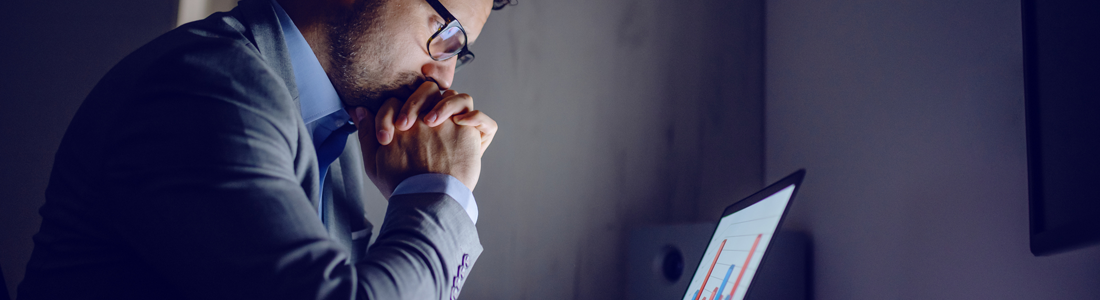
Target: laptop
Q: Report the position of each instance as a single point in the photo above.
(740, 242)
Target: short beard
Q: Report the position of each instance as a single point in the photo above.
(363, 62)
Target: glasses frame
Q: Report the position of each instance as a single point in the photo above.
(464, 56)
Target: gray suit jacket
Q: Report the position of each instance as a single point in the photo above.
(188, 173)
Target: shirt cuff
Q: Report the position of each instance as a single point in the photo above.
(440, 183)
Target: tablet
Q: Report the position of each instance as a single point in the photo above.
(740, 242)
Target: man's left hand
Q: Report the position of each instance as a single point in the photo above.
(449, 104)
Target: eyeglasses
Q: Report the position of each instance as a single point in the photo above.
(450, 40)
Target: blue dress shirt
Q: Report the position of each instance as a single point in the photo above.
(323, 114)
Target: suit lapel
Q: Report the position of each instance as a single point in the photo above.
(344, 211)
(266, 34)
(344, 208)
(259, 17)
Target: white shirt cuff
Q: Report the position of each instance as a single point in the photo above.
(440, 183)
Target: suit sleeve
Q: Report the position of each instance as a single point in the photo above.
(417, 254)
(205, 187)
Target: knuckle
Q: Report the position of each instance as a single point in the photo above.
(448, 108)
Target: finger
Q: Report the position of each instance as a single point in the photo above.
(478, 119)
(428, 91)
(367, 140)
(486, 125)
(383, 122)
(453, 105)
(359, 114)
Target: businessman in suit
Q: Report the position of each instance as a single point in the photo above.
(218, 161)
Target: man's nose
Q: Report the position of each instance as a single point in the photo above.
(443, 72)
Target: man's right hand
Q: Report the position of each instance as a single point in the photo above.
(447, 148)
(448, 105)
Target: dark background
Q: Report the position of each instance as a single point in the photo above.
(51, 55)
(1062, 74)
(615, 114)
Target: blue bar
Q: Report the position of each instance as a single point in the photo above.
(695, 295)
(724, 280)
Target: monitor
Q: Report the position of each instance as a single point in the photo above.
(740, 242)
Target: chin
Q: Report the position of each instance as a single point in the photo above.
(371, 96)
(372, 100)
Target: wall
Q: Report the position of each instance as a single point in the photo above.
(613, 114)
(909, 118)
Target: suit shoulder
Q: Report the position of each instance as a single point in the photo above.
(209, 70)
(215, 67)
(214, 56)
(212, 59)
(217, 54)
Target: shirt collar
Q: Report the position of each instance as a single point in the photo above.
(316, 95)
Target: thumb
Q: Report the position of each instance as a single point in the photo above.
(358, 114)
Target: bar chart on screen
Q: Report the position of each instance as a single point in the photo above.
(736, 250)
(708, 290)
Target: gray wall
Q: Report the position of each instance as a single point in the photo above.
(909, 117)
(613, 114)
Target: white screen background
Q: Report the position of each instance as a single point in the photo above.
(740, 231)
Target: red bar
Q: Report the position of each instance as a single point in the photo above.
(703, 287)
(746, 264)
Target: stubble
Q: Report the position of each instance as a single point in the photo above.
(363, 57)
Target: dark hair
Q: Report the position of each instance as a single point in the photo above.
(498, 4)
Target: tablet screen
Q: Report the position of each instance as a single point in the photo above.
(736, 249)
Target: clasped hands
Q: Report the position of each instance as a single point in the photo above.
(431, 132)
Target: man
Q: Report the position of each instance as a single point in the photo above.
(215, 163)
